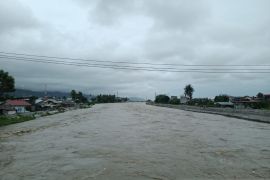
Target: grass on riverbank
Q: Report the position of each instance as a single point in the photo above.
(6, 120)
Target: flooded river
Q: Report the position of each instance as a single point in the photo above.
(135, 141)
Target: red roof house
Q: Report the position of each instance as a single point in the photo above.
(18, 105)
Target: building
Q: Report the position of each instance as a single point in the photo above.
(184, 99)
(245, 102)
(6, 110)
(47, 104)
(19, 105)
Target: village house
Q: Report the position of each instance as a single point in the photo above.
(47, 104)
(6, 110)
(20, 106)
(245, 102)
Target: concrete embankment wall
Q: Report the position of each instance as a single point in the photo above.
(247, 114)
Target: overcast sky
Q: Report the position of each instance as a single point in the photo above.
(155, 31)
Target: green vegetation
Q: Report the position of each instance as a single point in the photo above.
(6, 83)
(174, 101)
(105, 98)
(222, 98)
(201, 102)
(260, 105)
(6, 120)
(78, 97)
(260, 95)
(189, 91)
(162, 99)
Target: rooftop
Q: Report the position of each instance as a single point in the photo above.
(17, 103)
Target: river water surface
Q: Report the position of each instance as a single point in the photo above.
(135, 141)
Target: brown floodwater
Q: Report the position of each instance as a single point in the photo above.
(135, 141)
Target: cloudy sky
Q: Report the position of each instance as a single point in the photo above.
(204, 32)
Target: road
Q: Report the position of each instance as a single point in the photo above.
(135, 141)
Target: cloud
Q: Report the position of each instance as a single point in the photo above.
(14, 16)
(153, 31)
(179, 14)
(176, 15)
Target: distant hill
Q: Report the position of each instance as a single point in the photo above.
(28, 93)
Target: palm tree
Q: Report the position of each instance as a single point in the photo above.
(189, 91)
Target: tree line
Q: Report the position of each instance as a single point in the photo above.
(261, 103)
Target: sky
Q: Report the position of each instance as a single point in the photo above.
(224, 32)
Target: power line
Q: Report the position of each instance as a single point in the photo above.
(119, 67)
(125, 62)
(124, 66)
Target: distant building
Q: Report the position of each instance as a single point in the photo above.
(244, 102)
(18, 105)
(47, 104)
(184, 99)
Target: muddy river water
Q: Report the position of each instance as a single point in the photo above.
(135, 141)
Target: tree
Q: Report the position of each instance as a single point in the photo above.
(222, 98)
(6, 83)
(189, 91)
(73, 95)
(78, 97)
(175, 101)
(104, 98)
(163, 99)
(260, 95)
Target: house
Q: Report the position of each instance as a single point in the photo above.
(246, 101)
(19, 105)
(184, 99)
(47, 104)
(6, 110)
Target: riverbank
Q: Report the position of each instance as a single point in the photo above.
(6, 120)
(246, 114)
